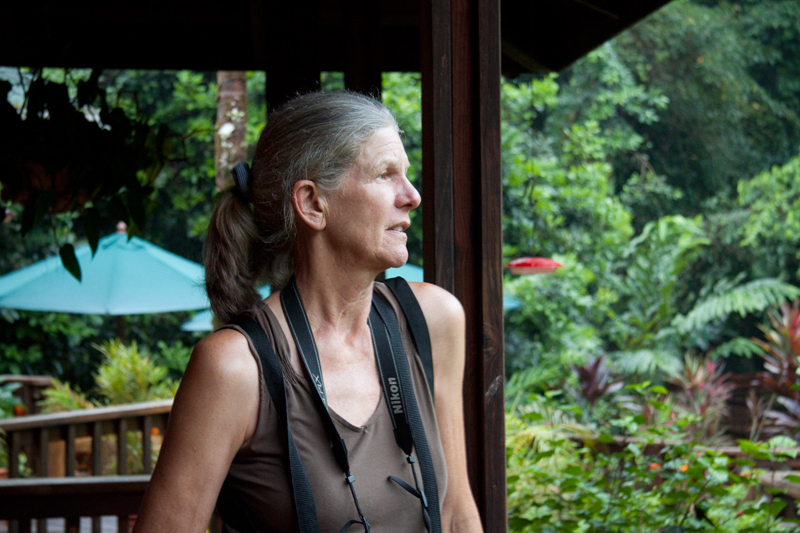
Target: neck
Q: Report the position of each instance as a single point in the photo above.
(336, 299)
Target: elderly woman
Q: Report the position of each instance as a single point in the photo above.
(324, 211)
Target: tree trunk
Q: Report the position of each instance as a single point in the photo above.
(230, 132)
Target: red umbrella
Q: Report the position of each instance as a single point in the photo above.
(533, 265)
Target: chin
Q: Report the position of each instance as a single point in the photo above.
(397, 260)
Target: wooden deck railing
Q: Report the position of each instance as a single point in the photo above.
(25, 499)
(51, 456)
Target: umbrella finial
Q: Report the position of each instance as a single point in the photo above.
(122, 227)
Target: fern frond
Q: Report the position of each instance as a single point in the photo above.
(754, 296)
(738, 346)
(647, 362)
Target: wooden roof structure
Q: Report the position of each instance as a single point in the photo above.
(461, 47)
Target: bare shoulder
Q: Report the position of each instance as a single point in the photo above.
(443, 312)
(215, 413)
(444, 316)
(225, 356)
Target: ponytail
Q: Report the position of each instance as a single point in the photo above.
(232, 261)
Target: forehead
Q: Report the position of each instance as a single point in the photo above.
(383, 150)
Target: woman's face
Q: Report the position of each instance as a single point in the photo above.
(368, 215)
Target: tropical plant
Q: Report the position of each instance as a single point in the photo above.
(173, 356)
(726, 299)
(555, 484)
(780, 378)
(62, 397)
(647, 281)
(703, 395)
(75, 153)
(597, 385)
(8, 400)
(127, 375)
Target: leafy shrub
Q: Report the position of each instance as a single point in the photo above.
(128, 375)
(561, 481)
(62, 397)
(781, 355)
(703, 392)
(8, 401)
(174, 357)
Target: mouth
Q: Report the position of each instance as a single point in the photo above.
(400, 227)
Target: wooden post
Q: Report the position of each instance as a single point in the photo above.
(297, 70)
(122, 447)
(69, 456)
(462, 239)
(43, 468)
(97, 448)
(362, 70)
(437, 144)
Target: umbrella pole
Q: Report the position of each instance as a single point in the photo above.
(119, 327)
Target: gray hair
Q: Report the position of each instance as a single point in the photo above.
(316, 136)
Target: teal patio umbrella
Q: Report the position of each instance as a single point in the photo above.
(414, 273)
(204, 320)
(125, 277)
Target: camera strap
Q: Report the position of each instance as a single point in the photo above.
(416, 322)
(273, 376)
(398, 392)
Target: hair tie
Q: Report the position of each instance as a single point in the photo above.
(242, 180)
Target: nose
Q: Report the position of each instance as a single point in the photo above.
(409, 196)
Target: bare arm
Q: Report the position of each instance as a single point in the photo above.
(445, 318)
(214, 414)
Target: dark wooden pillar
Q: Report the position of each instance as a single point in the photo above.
(364, 46)
(462, 210)
(290, 30)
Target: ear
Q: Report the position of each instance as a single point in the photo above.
(309, 204)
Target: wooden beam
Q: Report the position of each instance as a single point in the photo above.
(295, 70)
(437, 144)
(24, 499)
(365, 43)
(462, 238)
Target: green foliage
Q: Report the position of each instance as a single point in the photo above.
(127, 375)
(62, 397)
(718, 64)
(8, 400)
(757, 295)
(650, 267)
(174, 357)
(773, 201)
(66, 150)
(557, 484)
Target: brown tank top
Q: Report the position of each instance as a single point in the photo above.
(259, 475)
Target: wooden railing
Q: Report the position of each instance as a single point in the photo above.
(30, 391)
(52, 456)
(23, 500)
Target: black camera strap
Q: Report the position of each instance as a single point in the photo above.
(401, 401)
(398, 392)
(273, 376)
(416, 322)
